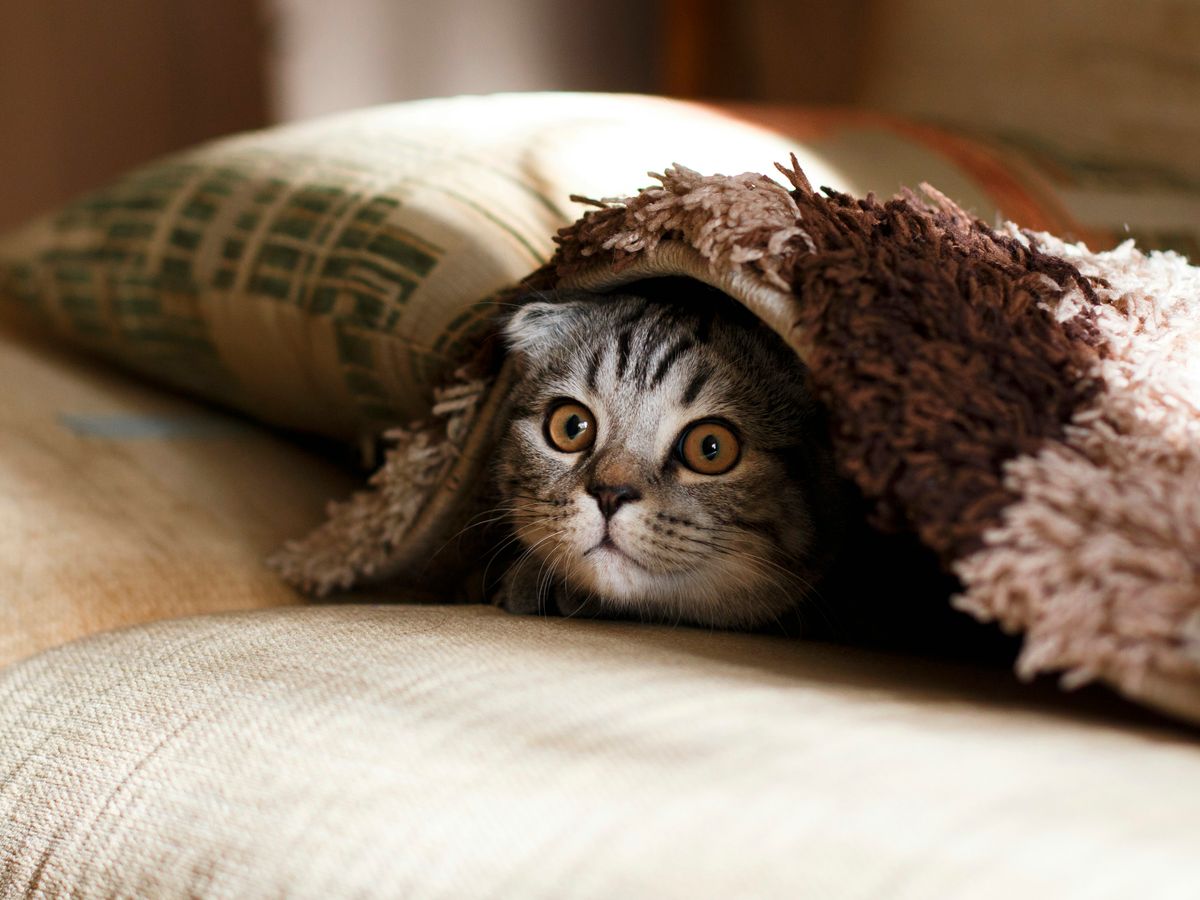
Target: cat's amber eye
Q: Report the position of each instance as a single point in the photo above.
(709, 448)
(570, 427)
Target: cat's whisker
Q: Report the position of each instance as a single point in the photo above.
(566, 555)
(513, 538)
(781, 580)
(519, 516)
(568, 579)
(542, 586)
(814, 601)
(542, 582)
(529, 551)
(477, 521)
(739, 543)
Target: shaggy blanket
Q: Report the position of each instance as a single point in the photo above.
(1026, 407)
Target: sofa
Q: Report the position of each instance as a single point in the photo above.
(176, 722)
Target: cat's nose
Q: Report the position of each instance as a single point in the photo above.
(609, 498)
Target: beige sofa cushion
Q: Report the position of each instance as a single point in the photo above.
(457, 752)
(121, 503)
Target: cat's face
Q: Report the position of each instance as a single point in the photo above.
(667, 462)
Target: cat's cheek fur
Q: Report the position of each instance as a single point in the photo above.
(558, 543)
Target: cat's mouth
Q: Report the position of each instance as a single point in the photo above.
(607, 543)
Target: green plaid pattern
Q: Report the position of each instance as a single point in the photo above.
(131, 270)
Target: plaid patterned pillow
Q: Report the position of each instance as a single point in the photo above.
(325, 276)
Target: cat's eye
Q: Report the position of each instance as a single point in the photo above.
(570, 427)
(708, 447)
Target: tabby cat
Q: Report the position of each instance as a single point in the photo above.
(664, 460)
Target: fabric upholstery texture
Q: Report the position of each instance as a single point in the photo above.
(121, 503)
(456, 751)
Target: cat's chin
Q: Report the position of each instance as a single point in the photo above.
(613, 573)
(620, 583)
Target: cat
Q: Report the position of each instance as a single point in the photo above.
(664, 460)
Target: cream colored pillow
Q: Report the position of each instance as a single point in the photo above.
(458, 752)
(326, 275)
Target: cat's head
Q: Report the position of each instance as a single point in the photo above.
(665, 458)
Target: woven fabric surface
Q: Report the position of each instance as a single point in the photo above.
(121, 503)
(458, 752)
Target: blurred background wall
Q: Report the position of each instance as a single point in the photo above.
(330, 56)
(91, 87)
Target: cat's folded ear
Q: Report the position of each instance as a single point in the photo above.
(536, 323)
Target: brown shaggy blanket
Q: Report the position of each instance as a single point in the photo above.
(1028, 409)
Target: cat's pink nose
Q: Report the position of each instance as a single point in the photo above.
(610, 499)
